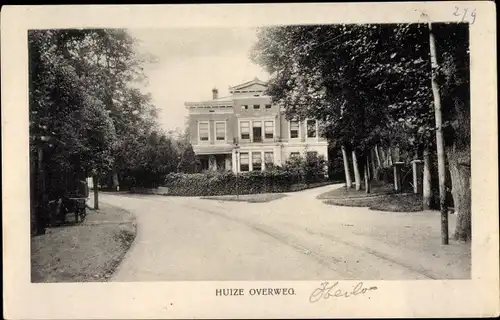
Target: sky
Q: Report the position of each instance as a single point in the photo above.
(190, 62)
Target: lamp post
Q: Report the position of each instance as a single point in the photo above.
(236, 148)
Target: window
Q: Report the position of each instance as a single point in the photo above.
(245, 130)
(244, 163)
(294, 129)
(256, 161)
(311, 129)
(256, 106)
(203, 131)
(244, 107)
(268, 106)
(268, 159)
(294, 155)
(257, 131)
(220, 131)
(268, 129)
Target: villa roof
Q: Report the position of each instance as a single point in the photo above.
(248, 83)
(239, 95)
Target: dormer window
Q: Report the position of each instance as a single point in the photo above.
(268, 106)
(256, 106)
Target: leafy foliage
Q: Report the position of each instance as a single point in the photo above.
(367, 83)
(84, 94)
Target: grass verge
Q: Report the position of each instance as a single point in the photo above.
(87, 252)
(389, 202)
(377, 189)
(252, 198)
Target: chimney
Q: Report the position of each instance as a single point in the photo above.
(215, 93)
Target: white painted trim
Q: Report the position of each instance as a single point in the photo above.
(290, 130)
(262, 152)
(199, 136)
(302, 144)
(251, 121)
(217, 111)
(249, 160)
(264, 118)
(264, 131)
(225, 131)
(249, 130)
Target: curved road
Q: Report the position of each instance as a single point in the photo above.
(293, 238)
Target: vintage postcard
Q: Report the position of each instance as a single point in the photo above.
(250, 161)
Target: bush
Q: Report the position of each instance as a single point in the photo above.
(225, 183)
(309, 170)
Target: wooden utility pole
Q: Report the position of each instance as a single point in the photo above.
(439, 139)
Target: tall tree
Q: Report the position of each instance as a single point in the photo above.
(369, 85)
(452, 46)
(81, 89)
(439, 138)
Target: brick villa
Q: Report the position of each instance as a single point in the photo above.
(245, 132)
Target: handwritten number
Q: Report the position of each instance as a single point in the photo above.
(464, 14)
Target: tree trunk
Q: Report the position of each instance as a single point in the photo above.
(357, 177)
(374, 165)
(397, 157)
(95, 181)
(426, 183)
(367, 174)
(377, 156)
(459, 164)
(383, 158)
(348, 181)
(439, 139)
(389, 157)
(116, 183)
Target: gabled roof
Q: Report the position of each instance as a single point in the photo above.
(248, 84)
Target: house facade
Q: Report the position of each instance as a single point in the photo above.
(245, 131)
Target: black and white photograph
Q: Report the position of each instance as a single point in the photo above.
(338, 153)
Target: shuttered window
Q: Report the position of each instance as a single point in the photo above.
(220, 131)
(244, 162)
(294, 129)
(245, 129)
(203, 131)
(269, 129)
(256, 161)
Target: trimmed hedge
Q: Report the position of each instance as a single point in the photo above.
(225, 183)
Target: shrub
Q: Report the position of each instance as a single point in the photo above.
(226, 183)
(311, 169)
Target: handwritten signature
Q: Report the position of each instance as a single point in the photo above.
(327, 290)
